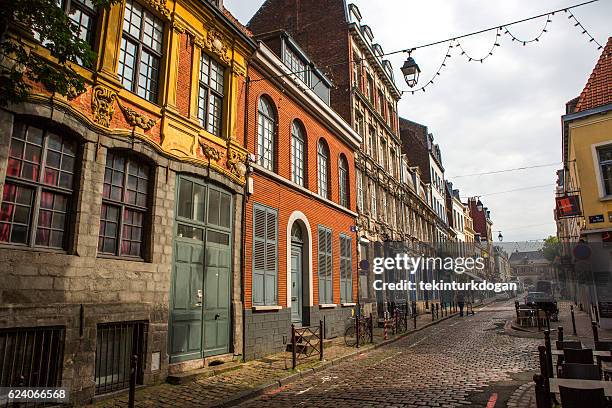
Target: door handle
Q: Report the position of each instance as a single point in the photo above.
(294, 298)
(217, 317)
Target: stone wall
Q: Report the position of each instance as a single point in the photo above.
(46, 287)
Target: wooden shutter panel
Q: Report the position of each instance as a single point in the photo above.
(322, 265)
(328, 255)
(259, 254)
(271, 258)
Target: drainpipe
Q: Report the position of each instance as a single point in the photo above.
(244, 202)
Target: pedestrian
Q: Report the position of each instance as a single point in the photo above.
(461, 303)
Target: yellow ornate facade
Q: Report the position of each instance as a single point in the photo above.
(109, 107)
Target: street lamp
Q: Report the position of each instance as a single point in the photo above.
(500, 237)
(479, 205)
(411, 71)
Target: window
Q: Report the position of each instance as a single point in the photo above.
(265, 257)
(116, 343)
(346, 269)
(356, 70)
(266, 128)
(124, 206)
(83, 14)
(381, 102)
(605, 163)
(384, 205)
(141, 51)
(359, 190)
(323, 168)
(297, 153)
(295, 64)
(372, 141)
(359, 123)
(391, 115)
(383, 154)
(373, 199)
(343, 176)
(32, 356)
(38, 191)
(325, 265)
(370, 88)
(210, 95)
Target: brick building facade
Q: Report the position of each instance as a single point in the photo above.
(300, 253)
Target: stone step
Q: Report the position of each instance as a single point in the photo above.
(188, 376)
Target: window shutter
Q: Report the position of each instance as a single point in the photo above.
(328, 255)
(271, 261)
(322, 265)
(264, 256)
(259, 254)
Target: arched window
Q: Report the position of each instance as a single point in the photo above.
(323, 168)
(39, 187)
(343, 179)
(125, 206)
(297, 153)
(266, 127)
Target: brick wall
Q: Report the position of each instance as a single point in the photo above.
(183, 92)
(414, 146)
(322, 32)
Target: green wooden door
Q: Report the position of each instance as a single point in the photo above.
(186, 339)
(200, 318)
(216, 293)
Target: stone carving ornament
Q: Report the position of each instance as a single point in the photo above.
(137, 119)
(235, 162)
(102, 105)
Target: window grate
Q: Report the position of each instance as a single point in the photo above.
(116, 343)
(31, 357)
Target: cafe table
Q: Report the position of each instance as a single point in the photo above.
(580, 384)
(596, 353)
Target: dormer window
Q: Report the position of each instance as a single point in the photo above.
(367, 32)
(378, 50)
(354, 13)
(295, 64)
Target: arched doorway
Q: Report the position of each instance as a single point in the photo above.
(297, 273)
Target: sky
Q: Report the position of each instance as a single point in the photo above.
(503, 113)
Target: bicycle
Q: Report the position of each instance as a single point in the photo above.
(350, 337)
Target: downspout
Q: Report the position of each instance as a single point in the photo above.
(244, 202)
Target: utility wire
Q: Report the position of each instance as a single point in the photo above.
(511, 191)
(499, 26)
(505, 170)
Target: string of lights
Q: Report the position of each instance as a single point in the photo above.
(489, 54)
(579, 25)
(534, 39)
(442, 65)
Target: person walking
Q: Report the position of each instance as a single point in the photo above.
(460, 302)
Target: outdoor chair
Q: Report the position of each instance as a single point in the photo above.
(562, 345)
(584, 356)
(579, 398)
(580, 371)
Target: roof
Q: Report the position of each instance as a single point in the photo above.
(237, 23)
(525, 257)
(598, 89)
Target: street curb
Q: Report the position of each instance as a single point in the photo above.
(282, 382)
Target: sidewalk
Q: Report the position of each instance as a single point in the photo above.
(254, 377)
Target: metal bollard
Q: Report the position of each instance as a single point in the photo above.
(357, 324)
(541, 391)
(549, 366)
(414, 317)
(560, 333)
(596, 312)
(132, 391)
(294, 347)
(320, 340)
(371, 328)
(573, 320)
(437, 310)
(433, 313)
(595, 332)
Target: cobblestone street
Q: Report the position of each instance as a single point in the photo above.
(465, 361)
